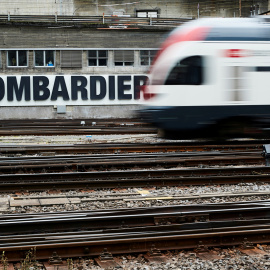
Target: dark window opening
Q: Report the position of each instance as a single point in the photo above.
(44, 58)
(147, 57)
(17, 58)
(123, 63)
(263, 69)
(97, 58)
(188, 71)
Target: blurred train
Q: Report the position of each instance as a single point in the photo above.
(211, 78)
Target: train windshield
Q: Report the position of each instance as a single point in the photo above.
(188, 71)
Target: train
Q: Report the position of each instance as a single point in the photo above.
(210, 78)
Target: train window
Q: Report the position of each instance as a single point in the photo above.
(188, 71)
(98, 58)
(17, 58)
(44, 58)
(147, 57)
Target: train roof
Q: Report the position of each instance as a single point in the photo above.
(220, 30)
(225, 29)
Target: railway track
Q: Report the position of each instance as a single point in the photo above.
(117, 148)
(162, 164)
(74, 127)
(134, 178)
(115, 199)
(135, 230)
(86, 163)
(122, 165)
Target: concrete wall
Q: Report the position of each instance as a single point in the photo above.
(75, 37)
(72, 112)
(167, 8)
(57, 38)
(39, 7)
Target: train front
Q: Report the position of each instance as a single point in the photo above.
(177, 63)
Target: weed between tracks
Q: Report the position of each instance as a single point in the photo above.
(30, 261)
(4, 261)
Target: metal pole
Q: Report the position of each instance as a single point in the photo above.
(61, 7)
(240, 8)
(198, 10)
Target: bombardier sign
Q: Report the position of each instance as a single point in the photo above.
(42, 90)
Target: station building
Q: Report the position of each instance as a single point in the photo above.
(86, 70)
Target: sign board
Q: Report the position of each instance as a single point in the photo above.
(46, 90)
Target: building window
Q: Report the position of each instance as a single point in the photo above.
(147, 13)
(123, 58)
(17, 58)
(97, 58)
(147, 57)
(71, 59)
(188, 71)
(44, 58)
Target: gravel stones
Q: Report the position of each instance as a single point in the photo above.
(133, 197)
(232, 259)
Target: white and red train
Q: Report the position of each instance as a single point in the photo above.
(211, 77)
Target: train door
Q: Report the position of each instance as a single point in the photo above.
(237, 85)
(236, 79)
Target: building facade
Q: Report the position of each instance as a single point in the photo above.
(161, 8)
(73, 72)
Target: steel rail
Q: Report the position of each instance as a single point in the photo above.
(72, 122)
(79, 131)
(132, 178)
(117, 148)
(138, 217)
(50, 238)
(101, 162)
(66, 158)
(213, 234)
(75, 127)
